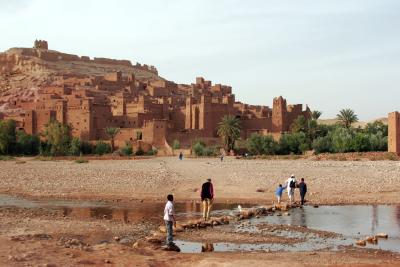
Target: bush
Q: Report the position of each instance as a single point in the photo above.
(176, 144)
(139, 152)
(126, 150)
(81, 160)
(87, 148)
(75, 148)
(293, 143)
(58, 138)
(199, 148)
(27, 144)
(7, 137)
(152, 152)
(342, 140)
(102, 148)
(262, 145)
(322, 144)
(5, 158)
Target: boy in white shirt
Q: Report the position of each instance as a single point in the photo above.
(169, 218)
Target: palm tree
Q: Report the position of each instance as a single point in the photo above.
(229, 130)
(316, 114)
(346, 117)
(112, 132)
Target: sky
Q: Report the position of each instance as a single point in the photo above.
(329, 54)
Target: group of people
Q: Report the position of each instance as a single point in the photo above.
(207, 198)
(291, 184)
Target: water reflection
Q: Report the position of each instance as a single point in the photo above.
(207, 247)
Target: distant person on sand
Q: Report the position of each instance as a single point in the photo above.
(278, 192)
(222, 157)
(180, 155)
(169, 218)
(207, 196)
(291, 186)
(303, 190)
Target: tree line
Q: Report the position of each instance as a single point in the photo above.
(308, 134)
(56, 140)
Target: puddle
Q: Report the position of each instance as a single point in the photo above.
(118, 212)
(354, 222)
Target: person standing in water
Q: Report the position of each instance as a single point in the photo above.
(169, 218)
(207, 197)
(303, 190)
(278, 192)
(291, 186)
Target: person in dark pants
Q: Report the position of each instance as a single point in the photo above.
(303, 190)
(207, 196)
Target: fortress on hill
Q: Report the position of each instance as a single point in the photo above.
(38, 85)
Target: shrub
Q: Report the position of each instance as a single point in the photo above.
(322, 144)
(126, 150)
(139, 152)
(293, 143)
(262, 145)
(176, 144)
(102, 148)
(200, 149)
(75, 148)
(5, 158)
(81, 160)
(342, 140)
(27, 144)
(152, 152)
(87, 148)
(7, 136)
(57, 137)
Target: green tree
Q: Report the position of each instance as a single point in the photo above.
(75, 148)
(57, 136)
(262, 145)
(112, 132)
(27, 144)
(7, 136)
(346, 117)
(376, 127)
(316, 114)
(293, 143)
(229, 130)
(300, 124)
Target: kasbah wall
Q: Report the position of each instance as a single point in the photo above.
(149, 113)
(394, 132)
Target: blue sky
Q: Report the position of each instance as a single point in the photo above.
(330, 54)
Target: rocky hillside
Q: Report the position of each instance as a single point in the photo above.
(24, 70)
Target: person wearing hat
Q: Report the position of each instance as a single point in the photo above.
(291, 186)
(207, 196)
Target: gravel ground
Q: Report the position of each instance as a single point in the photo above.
(334, 182)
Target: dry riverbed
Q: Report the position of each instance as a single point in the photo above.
(79, 236)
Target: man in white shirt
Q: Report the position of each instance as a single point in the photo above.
(169, 218)
(291, 185)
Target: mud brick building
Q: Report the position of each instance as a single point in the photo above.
(394, 132)
(93, 94)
